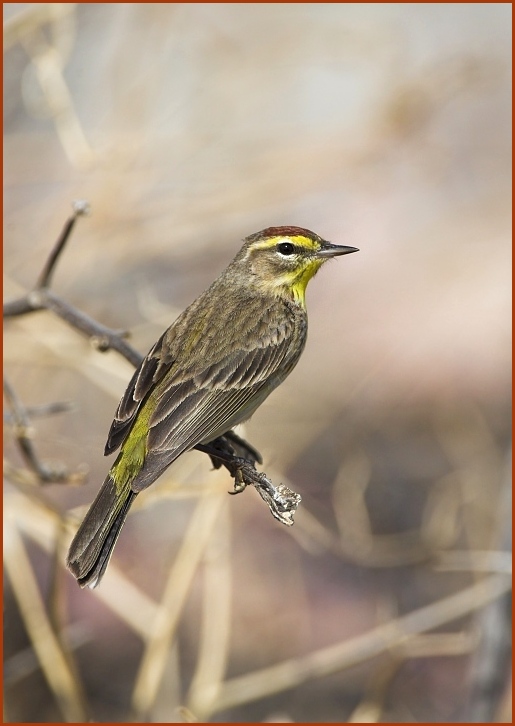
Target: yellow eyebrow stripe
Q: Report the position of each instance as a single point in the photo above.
(298, 240)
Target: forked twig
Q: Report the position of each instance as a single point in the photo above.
(19, 419)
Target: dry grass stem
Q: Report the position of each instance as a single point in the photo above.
(43, 525)
(294, 672)
(215, 632)
(53, 660)
(176, 589)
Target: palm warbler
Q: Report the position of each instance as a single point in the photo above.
(208, 372)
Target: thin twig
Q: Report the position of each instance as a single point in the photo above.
(80, 208)
(41, 410)
(45, 472)
(101, 337)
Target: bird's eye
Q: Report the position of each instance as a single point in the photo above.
(286, 248)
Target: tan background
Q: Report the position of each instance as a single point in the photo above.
(187, 127)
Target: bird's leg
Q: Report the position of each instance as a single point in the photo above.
(248, 451)
(229, 448)
(221, 452)
(239, 482)
(217, 451)
(281, 500)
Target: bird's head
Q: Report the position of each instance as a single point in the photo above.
(283, 259)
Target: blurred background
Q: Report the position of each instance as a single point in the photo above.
(188, 127)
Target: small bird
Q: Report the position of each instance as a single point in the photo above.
(207, 373)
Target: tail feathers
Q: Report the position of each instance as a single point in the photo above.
(92, 546)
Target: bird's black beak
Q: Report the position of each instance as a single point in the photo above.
(329, 250)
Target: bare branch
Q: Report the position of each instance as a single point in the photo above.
(41, 410)
(42, 298)
(281, 500)
(101, 337)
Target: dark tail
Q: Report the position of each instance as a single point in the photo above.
(93, 544)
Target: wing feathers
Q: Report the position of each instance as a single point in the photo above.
(139, 386)
(201, 399)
